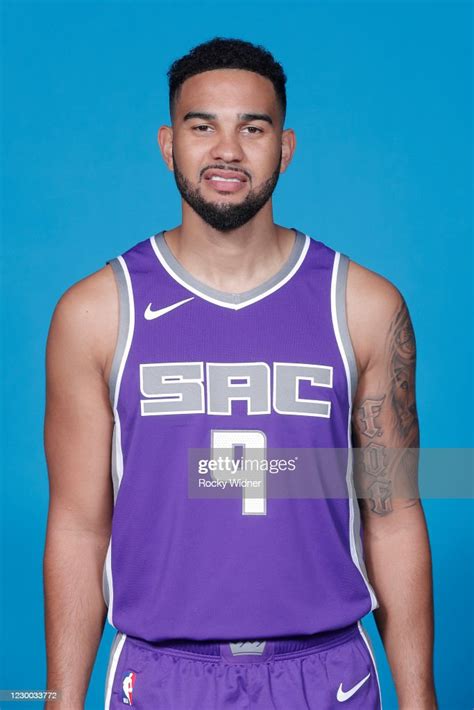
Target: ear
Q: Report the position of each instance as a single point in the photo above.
(165, 141)
(288, 145)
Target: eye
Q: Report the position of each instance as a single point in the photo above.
(200, 128)
(254, 129)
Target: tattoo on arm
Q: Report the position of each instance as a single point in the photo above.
(397, 408)
(402, 362)
(371, 459)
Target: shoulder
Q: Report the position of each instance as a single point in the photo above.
(374, 306)
(85, 320)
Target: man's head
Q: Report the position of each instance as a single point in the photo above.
(226, 145)
(222, 53)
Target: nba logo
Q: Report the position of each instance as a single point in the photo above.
(128, 681)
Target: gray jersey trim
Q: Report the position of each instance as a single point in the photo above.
(125, 334)
(123, 327)
(223, 296)
(341, 289)
(114, 657)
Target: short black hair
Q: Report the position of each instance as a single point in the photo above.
(227, 53)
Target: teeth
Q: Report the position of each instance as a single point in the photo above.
(223, 179)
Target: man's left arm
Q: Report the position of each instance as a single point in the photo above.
(395, 540)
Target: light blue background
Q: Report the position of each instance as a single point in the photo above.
(380, 97)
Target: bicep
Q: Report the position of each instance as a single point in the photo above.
(78, 423)
(384, 421)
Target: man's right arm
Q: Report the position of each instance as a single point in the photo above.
(78, 436)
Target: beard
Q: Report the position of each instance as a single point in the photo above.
(226, 216)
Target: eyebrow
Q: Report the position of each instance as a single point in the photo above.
(242, 116)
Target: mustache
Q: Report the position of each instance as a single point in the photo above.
(221, 166)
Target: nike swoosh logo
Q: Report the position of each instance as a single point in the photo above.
(345, 695)
(151, 315)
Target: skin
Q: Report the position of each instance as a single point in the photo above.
(385, 431)
(259, 247)
(79, 420)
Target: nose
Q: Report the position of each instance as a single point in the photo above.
(227, 147)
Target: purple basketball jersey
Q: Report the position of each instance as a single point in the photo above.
(192, 363)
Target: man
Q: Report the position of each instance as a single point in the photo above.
(232, 333)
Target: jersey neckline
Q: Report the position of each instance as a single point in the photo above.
(234, 301)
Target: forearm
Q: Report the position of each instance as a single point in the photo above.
(398, 562)
(74, 611)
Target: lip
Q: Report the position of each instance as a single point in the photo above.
(214, 172)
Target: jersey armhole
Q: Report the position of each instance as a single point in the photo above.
(339, 312)
(125, 326)
(342, 267)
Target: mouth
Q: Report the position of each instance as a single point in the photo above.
(225, 180)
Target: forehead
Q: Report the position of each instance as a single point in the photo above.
(227, 90)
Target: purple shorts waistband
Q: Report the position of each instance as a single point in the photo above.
(275, 645)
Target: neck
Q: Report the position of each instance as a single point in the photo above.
(235, 261)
